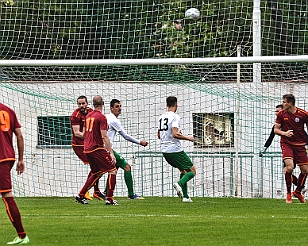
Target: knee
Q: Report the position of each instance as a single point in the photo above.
(114, 172)
(99, 175)
(193, 169)
(127, 168)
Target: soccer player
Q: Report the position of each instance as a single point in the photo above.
(9, 125)
(289, 125)
(78, 119)
(170, 136)
(114, 127)
(98, 152)
(269, 142)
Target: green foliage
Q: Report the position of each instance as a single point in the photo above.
(118, 29)
(159, 221)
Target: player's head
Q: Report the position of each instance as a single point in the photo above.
(98, 102)
(288, 100)
(115, 107)
(171, 101)
(82, 103)
(278, 108)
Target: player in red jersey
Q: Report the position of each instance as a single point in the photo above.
(99, 152)
(78, 119)
(290, 123)
(9, 125)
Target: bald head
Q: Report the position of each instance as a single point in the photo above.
(98, 101)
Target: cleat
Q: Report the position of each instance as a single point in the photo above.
(135, 196)
(87, 196)
(289, 198)
(81, 200)
(187, 199)
(304, 191)
(18, 240)
(178, 189)
(113, 202)
(100, 196)
(299, 196)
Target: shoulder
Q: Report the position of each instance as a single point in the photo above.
(302, 111)
(75, 112)
(6, 108)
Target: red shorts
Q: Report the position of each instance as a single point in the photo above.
(295, 152)
(5, 176)
(100, 161)
(79, 152)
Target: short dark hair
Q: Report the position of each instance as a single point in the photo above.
(82, 97)
(279, 106)
(290, 98)
(171, 101)
(113, 102)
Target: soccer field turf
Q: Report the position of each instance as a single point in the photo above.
(160, 221)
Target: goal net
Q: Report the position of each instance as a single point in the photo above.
(228, 107)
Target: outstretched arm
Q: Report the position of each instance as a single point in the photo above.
(132, 139)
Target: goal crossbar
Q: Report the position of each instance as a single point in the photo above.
(170, 61)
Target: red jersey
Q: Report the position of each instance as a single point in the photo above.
(295, 122)
(95, 122)
(78, 118)
(8, 124)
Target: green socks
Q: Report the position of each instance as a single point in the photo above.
(129, 182)
(184, 178)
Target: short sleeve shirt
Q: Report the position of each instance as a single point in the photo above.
(166, 121)
(95, 122)
(8, 124)
(295, 122)
(78, 118)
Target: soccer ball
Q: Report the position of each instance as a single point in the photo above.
(192, 14)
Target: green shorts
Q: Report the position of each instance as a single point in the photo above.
(179, 160)
(121, 162)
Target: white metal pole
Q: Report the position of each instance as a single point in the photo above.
(237, 122)
(257, 82)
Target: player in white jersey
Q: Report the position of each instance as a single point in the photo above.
(114, 128)
(170, 135)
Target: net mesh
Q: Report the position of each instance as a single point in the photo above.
(230, 118)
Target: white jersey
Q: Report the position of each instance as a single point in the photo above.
(166, 121)
(114, 127)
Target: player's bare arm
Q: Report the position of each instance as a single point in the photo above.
(278, 131)
(158, 134)
(177, 134)
(77, 133)
(20, 167)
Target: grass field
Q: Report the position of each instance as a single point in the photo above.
(160, 221)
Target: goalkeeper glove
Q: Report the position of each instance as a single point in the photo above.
(262, 151)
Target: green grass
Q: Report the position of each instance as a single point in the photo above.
(160, 221)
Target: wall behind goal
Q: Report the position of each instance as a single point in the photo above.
(222, 170)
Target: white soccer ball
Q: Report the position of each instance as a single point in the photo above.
(192, 14)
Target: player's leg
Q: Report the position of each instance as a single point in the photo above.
(82, 156)
(111, 182)
(10, 203)
(294, 178)
(301, 157)
(94, 175)
(288, 178)
(181, 161)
